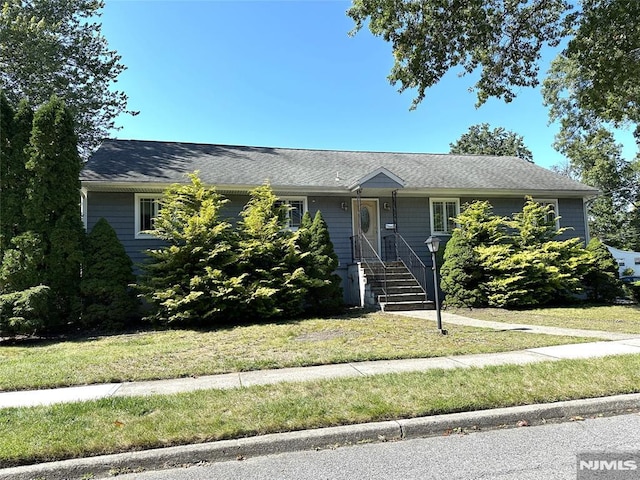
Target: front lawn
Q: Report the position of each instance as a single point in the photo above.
(181, 353)
(609, 318)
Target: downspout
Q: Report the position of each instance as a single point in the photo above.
(359, 217)
(587, 233)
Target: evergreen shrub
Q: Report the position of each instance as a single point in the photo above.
(601, 280)
(107, 277)
(24, 312)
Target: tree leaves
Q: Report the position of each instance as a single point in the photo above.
(501, 39)
(480, 140)
(56, 47)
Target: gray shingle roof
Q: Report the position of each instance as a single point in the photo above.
(136, 161)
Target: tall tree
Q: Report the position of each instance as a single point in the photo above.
(591, 90)
(596, 159)
(14, 137)
(482, 140)
(503, 40)
(57, 47)
(49, 251)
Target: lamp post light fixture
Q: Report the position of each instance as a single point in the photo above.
(433, 243)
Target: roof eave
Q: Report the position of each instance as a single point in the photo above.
(152, 187)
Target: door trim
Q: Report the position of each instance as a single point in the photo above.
(354, 220)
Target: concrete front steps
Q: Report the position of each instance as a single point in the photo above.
(404, 292)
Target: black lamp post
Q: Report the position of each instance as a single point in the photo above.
(433, 243)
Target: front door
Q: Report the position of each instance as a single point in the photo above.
(367, 219)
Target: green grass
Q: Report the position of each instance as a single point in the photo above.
(614, 318)
(180, 353)
(37, 434)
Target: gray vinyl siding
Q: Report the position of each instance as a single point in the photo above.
(572, 215)
(413, 224)
(381, 181)
(119, 210)
(413, 221)
(338, 222)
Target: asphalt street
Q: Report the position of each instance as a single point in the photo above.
(535, 452)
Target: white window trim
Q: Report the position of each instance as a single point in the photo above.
(139, 196)
(431, 216)
(554, 202)
(286, 200)
(83, 207)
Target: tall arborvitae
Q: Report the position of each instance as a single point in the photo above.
(325, 295)
(52, 207)
(6, 132)
(15, 131)
(107, 275)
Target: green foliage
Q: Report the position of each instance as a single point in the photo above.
(627, 272)
(211, 273)
(52, 208)
(601, 280)
(516, 262)
(188, 281)
(57, 47)
(634, 288)
(324, 295)
(24, 312)
(14, 137)
(23, 265)
(430, 37)
(605, 49)
(64, 262)
(47, 249)
(270, 280)
(537, 274)
(53, 167)
(480, 140)
(107, 275)
(596, 159)
(535, 224)
(504, 40)
(461, 274)
(461, 271)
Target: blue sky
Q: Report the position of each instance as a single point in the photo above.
(286, 74)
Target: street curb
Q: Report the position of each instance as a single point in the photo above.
(332, 437)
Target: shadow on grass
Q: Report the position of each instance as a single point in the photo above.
(79, 335)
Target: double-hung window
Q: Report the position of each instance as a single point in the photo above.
(443, 211)
(552, 215)
(297, 207)
(147, 207)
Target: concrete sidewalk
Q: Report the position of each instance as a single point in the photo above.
(451, 318)
(618, 344)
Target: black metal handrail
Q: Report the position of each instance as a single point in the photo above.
(364, 252)
(396, 247)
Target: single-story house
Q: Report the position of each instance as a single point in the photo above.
(379, 207)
